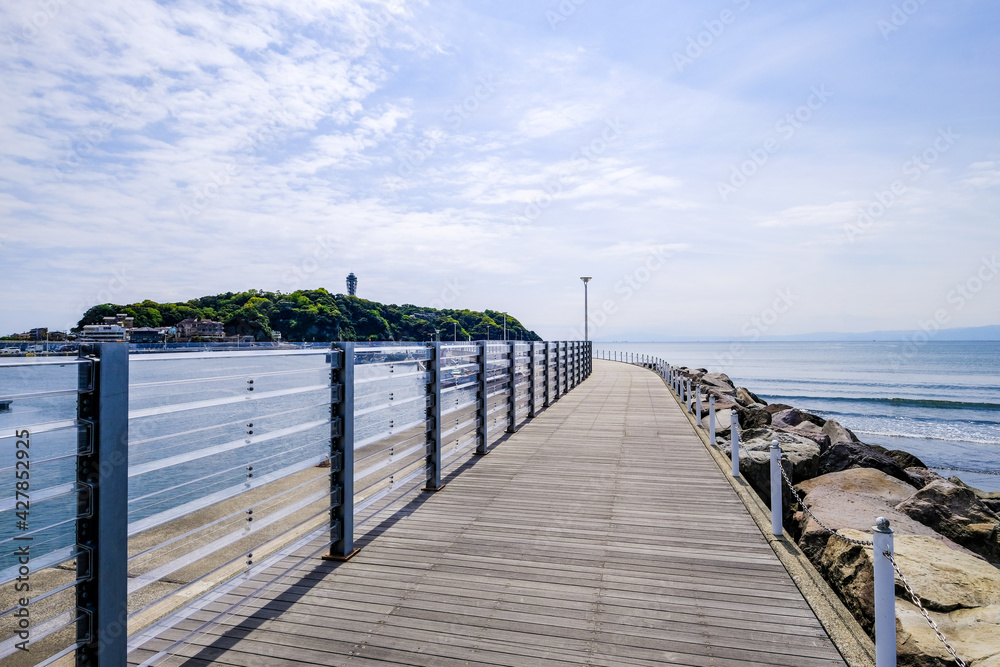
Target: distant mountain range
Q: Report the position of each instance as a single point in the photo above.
(991, 332)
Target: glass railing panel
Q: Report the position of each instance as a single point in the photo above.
(39, 440)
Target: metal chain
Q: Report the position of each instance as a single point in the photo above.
(802, 504)
(927, 617)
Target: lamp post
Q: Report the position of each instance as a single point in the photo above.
(586, 319)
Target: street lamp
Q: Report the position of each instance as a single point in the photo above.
(586, 320)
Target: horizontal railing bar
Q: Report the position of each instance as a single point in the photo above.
(220, 378)
(241, 466)
(373, 483)
(227, 400)
(258, 417)
(390, 404)
(36, 531)
(45, 427)
(175, 355)
(386, 378)
(42, 394)
(139, 582)
(459, 408)
(161, 518)
(48, 493)
(394, 431)
(35, 598)
(371, 470)
(421, 437)
(228, 517)
(459, 427)
(38, 462)
(247, 441)
(40, 631)
(51, 559)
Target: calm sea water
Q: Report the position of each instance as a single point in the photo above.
(939, 401)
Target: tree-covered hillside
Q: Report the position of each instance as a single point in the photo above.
(316, 315)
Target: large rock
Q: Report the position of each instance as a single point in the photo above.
(956, 512)
(961, 592)
(753, 417)
(905, 459)
(789, 418)
(720, 380)
(923, 476)
(799, 458)
(845, 455)
(854, 499)
(747, 398)
(838, 433)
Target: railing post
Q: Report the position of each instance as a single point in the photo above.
(885, 595)
(101, 532)
(511, 388)
(687, 401)
(697, 399)
(482, 416)
(776, 508)
(532, 374)
(548, 373)
(734, 431)
(711, 419)
(433, 466)
(342, 454)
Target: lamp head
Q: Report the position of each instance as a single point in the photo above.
(585, 279)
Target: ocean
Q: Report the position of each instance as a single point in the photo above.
(939, 400)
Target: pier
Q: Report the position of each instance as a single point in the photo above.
(603, 532)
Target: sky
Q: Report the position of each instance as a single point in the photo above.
(725, 168)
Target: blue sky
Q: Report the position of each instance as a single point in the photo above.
(725, 168)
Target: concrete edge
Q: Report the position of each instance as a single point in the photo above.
(847, 635)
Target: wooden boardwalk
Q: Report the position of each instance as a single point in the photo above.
(602, 533)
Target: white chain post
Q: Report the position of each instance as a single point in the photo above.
(711, 419)
(776, 508)
(687, 401)
(885, 595)
(735, 441)
(697, 399)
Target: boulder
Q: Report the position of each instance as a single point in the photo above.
(747, 398)
(799, 458)
(753, 417)
(854, 499)
(961, 592)
(813, 419)
(956, 512)
(786, 418)
(777, 407)
(720, 380)
(982, 495)
(837, 433)
(844, 455)
(923, 475)
(905, 459)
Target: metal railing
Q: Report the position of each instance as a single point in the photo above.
(144, 482)
(884, 564)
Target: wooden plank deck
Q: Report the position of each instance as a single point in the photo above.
(602, 533)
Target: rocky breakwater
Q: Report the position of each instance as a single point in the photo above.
(947, 534)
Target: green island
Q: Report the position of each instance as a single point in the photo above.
(317, 315)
